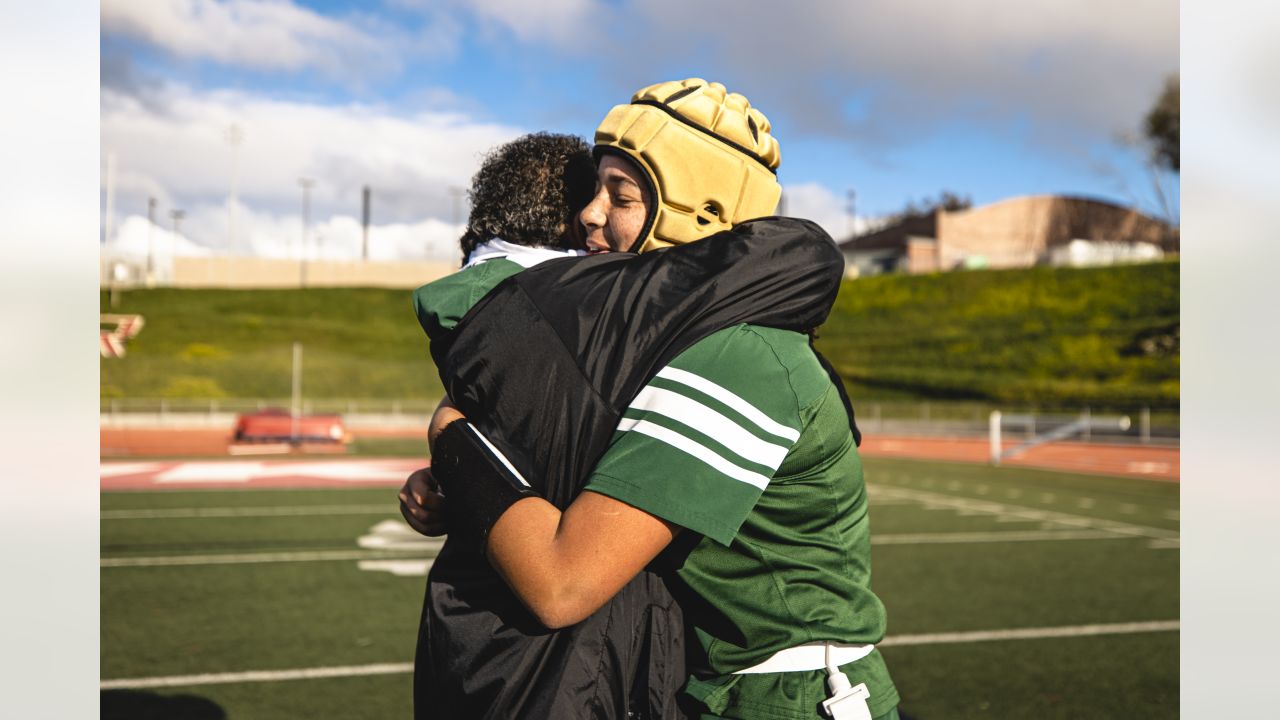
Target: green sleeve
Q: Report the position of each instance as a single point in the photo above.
(700, 443)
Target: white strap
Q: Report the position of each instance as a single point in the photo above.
(811, 656)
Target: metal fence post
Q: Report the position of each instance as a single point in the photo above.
(994, 429)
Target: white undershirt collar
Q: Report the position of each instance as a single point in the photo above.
(522, 255)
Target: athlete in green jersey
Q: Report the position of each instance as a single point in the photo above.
(736, 463)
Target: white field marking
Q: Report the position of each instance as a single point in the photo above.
(114, 469)
(1171, 514)
(242, 471)
(1085, 503)
(210, 472)
(1032, 633)
(407, 667)
(247, 558)
(256, 676)
(988, 537)
(881, 502)
(1164, 544)
(1021, 513)
(1148, 468)
(226, 512)
(350, 470)
(396, 535)
(399, 568)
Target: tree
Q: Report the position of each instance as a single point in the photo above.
(1161, 126)
(946, 200)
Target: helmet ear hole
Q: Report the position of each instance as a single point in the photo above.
(709, 213)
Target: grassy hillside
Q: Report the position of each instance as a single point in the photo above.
(1104, 337)
(1046, 336)
(357, 343)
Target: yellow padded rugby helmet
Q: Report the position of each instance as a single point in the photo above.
(707, 153)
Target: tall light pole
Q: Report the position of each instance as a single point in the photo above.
(109, 218)
(177, 216)
(306, 185)
(151, 252)
(851, 196)
(457, 193)
(364, 217)
(234, 136)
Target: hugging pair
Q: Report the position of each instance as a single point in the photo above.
(649, 478)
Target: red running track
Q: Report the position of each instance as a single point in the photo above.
(137, 472)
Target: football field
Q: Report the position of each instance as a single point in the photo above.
(1011, 593)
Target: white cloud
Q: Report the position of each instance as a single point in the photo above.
(174, 148)
(558, 21)
(888, 71)
(269, 235)
(816, 202)
(261, 34)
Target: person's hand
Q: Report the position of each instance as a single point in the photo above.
(422, 504)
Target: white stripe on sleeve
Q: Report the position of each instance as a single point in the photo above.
(696, 449)
(748, 410)
(710, 423)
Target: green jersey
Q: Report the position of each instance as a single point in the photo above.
(439, 305)
(744, 439)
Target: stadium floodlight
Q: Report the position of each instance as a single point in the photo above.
(306, 184)
(234, 136)
(296, 410)
(151, 221)
(177, 216)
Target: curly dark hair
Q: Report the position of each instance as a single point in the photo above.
(530, 191)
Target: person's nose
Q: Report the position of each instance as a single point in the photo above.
(593, 215)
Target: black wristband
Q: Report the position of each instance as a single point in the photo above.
(478, 484)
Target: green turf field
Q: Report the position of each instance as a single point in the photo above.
(1012, 593)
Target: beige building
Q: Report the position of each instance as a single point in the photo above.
(1018, 232)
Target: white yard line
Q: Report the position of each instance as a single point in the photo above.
(932, 500)
(399, 668)
(429, 546)
(988, 537)
(1032, 633)
(250, 558)
(226, 512)
(257, 676)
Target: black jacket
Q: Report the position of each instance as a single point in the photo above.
(544, 366)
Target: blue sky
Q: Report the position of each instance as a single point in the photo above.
(895, 99)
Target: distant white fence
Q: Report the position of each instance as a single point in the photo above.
(937, 419)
